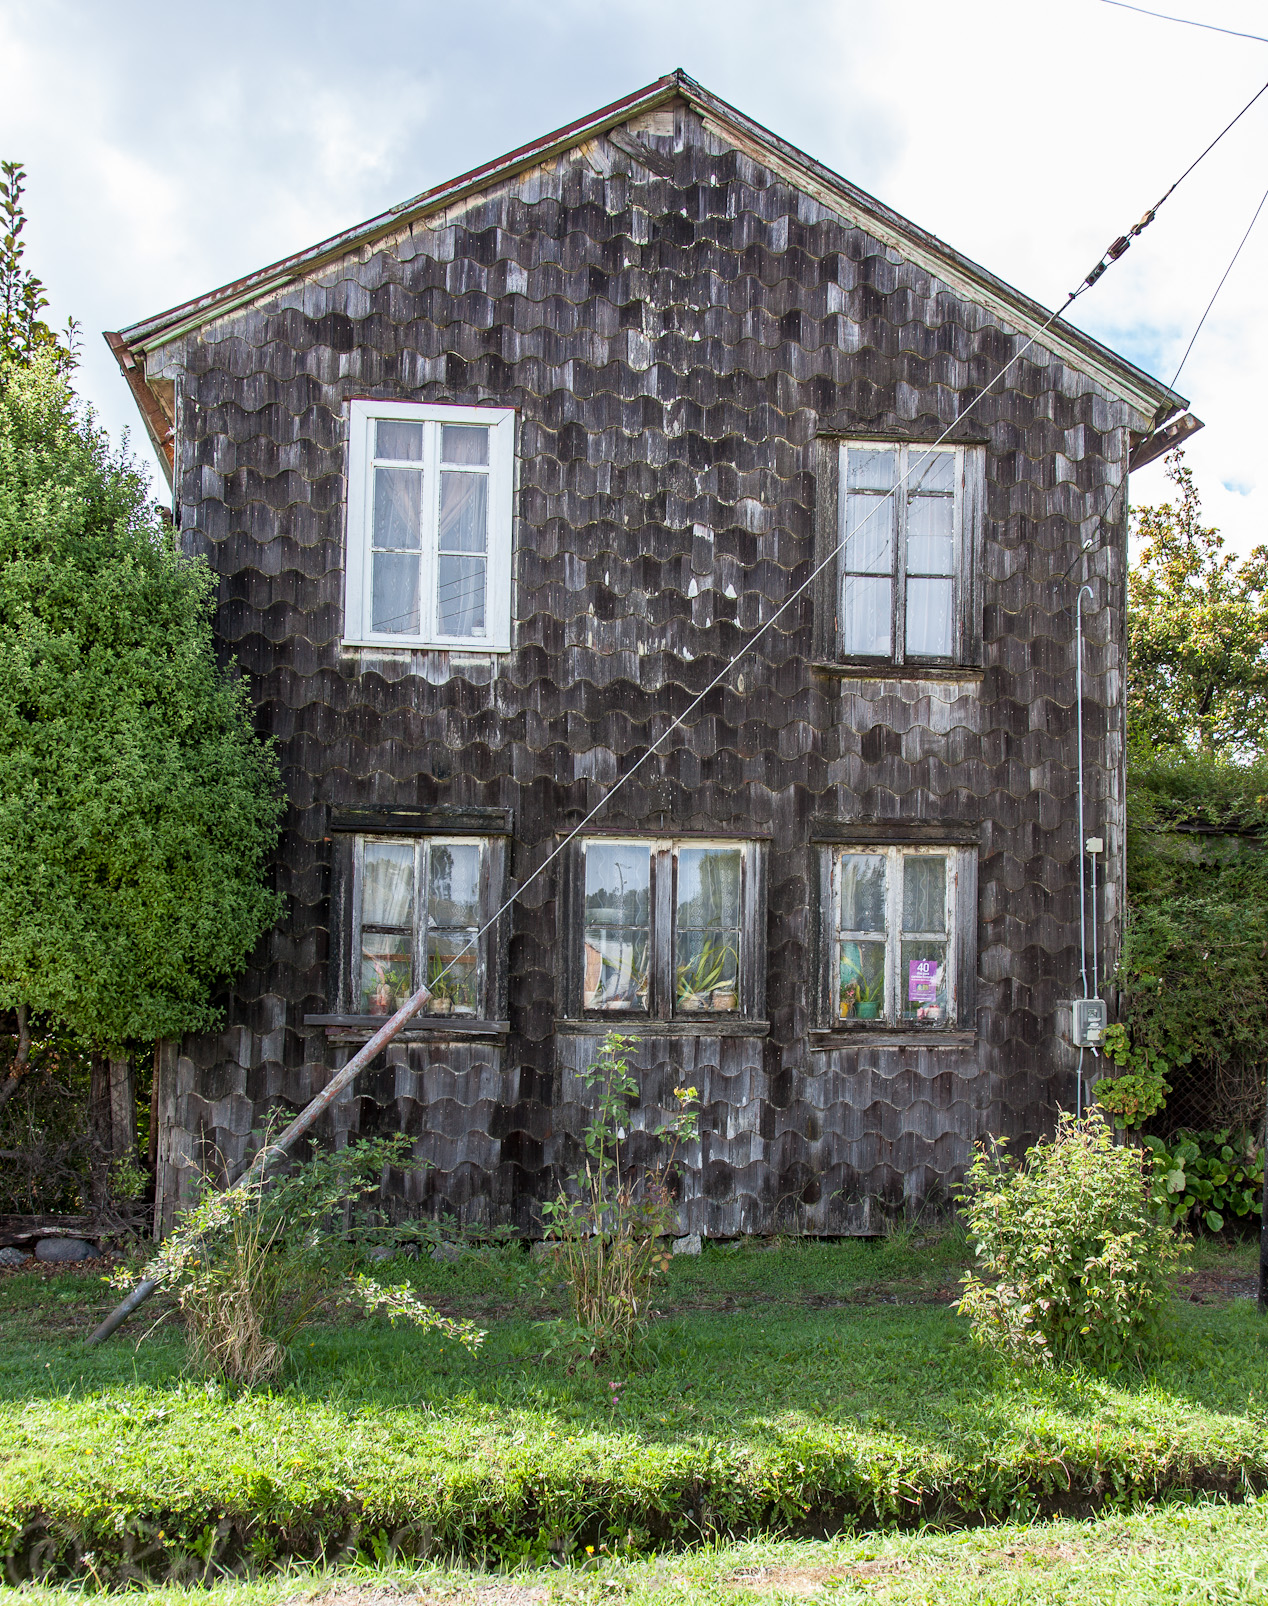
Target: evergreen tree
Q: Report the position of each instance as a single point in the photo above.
(138, 809)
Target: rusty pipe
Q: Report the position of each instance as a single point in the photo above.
(273, 1151)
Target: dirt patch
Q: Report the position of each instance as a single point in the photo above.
(1216, 1287)
(491, 1594)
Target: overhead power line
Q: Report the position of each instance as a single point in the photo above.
(1189, 22)
(1263, 198)
(397, 1022)
(1116, 249)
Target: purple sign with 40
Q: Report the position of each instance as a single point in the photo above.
(922, 983)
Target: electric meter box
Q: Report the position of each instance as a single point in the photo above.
(1089, 1022)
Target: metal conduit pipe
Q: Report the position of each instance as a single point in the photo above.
(1078, 695)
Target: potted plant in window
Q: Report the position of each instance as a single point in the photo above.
(442, 987)
(391, 987)
(868, 1002)
(702, 980)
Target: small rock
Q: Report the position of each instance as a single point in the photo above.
(690, 1245)
(446, 1253)
(12, 1257)
(55, 1249)
(381, 1252)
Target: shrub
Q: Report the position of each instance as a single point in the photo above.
(1208, 1176)
(1074, 1263)
(1140, 1089)
(607, 1235)
(254, 1264)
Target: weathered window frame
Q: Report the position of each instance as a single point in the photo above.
(363, 417)
(661, 1010)
(960, 849)
(970, 503)
(423, 829)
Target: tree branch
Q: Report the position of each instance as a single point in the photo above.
(20, 1060)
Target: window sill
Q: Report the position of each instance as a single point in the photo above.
(865, 1035)
(641, 1026)
(455, 649)
(361, 1028)
(885, 669)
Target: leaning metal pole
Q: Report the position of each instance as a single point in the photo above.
(280, 1145)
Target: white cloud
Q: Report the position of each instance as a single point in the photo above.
(173, 148)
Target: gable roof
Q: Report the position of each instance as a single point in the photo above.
(958, 272)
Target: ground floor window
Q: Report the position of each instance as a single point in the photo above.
(668, 928)
(417, 913)
(894, 952)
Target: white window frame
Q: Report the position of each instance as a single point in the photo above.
(891, 1016)
(422, 847)
(500, 421)
(965, 511)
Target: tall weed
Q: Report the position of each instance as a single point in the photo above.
(607, 1234)
(252, 1265)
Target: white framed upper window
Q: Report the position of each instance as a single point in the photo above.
(907, 520)
(430, 522)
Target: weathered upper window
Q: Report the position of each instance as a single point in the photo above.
(669, 928)
(906, 528)
(429, 526)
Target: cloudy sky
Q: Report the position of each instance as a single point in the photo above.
(172, 147)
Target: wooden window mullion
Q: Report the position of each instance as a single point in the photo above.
(899, 643)
(662, 930)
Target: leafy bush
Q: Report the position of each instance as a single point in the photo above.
(1194, 963)
(1073, 1262)
(1210, 1176)
(606, 1236)
(1140, 1089)
(252, 1265)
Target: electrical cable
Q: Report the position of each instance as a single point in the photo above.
(1218, 288)
(1111, 255)
(1120, 245)
(1188, 21)
(397, 1022)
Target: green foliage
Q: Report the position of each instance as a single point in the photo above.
(23, 333)
(1194, 963)
(1140, 1089)
(45, 1148)
(137, 807)
(1072, 1262)
(607, 1234)
(1208, 1177)
(251, 1266)
(760, 1418)
(1197, 633)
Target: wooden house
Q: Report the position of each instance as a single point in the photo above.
(495, 484)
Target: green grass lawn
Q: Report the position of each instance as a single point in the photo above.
(772, 1399)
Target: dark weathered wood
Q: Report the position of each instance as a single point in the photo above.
(685, 349)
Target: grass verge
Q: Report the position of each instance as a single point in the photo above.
(799, 1411)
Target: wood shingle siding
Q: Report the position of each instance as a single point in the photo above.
(679, 335)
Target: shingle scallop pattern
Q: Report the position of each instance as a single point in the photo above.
(672, 348)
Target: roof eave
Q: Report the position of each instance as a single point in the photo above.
(157, 426)
(1153, 399)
